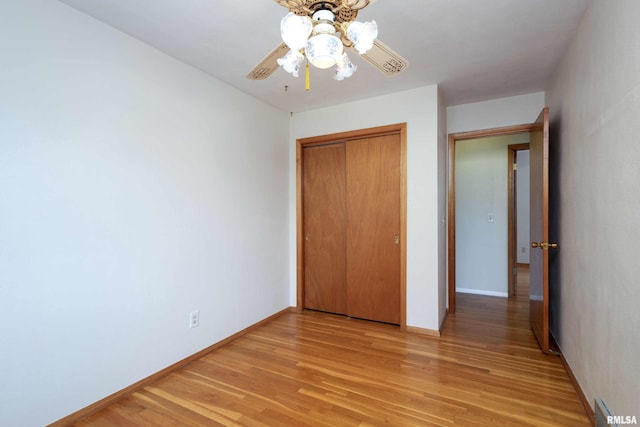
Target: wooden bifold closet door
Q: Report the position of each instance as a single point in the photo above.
(325, 228)
(352, 228)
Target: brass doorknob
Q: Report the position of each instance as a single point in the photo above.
(544, 245)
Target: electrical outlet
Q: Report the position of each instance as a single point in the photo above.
(194, 319)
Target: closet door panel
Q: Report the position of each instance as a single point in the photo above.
(325, 228)
(373, 228)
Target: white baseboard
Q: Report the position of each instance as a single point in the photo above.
(482, 292)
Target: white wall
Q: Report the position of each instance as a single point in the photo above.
(511, 111)
(132, 191)
(419, 108)
(522, 206)
(481, 175)
(595, 139)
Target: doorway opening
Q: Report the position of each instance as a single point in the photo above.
(518, 219)
(457, 249)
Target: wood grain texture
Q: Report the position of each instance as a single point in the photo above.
(400, 131)
(403, 227)
(299, 229)
(117, 396)
(325, 228)
(316, 369)
(373, 211)
(539, 229)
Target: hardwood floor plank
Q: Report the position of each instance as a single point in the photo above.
(317, 369)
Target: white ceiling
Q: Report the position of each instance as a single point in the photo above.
(474, 49)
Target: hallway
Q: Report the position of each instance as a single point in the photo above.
(499, 321)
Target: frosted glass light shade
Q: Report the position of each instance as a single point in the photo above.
(324, 50)
(295, 30)
(362, 34)
(344, 68)
(291, 62)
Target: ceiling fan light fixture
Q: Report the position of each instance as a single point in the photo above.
(356, 4)
(344, 68)
(291, 62)
(323, 14)
(324, 50)
(362, 34)
(295, 30)
(319, 30)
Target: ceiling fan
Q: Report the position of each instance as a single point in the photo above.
(319, 31)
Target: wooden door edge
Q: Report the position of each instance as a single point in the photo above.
(299, 231)
(403, 226)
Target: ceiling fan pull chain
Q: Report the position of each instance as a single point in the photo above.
(306, 77)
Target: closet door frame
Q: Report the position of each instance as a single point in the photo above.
(399, 128)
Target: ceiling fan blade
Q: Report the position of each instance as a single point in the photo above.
(269, 64)
(389, 62)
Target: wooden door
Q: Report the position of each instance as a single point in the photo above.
(539, 229)
(325, 228)
(373, 230)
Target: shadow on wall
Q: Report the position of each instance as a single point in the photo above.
(555, 288)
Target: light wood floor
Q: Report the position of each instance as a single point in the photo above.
(319, 369)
